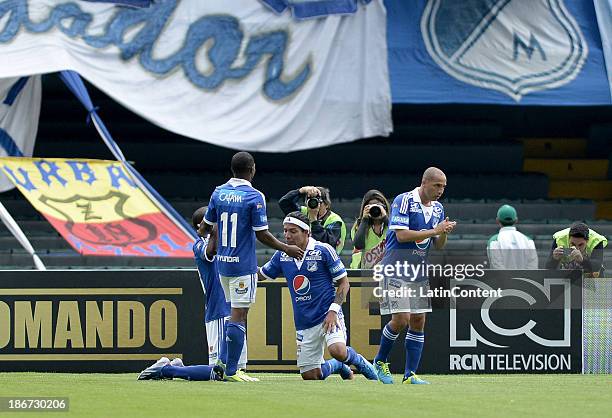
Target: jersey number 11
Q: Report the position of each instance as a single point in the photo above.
(234, 221)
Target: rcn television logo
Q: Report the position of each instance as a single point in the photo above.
(527, 329)
(513, 46)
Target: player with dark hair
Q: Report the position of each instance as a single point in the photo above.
(317, 311)
(240, 211)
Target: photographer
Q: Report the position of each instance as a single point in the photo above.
(370, 230)
(314, 202)
(578, 247)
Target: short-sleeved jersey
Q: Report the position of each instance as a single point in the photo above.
(239, 210)
(310, 281)
(216, 306)
(407, 212)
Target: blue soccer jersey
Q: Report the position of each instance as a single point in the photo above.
(239, 210)
(407, 212)
(216, 306)
(310, 281)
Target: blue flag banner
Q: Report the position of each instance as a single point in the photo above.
(131, 3)
(537, 52)
(307, 9)
(232, 73)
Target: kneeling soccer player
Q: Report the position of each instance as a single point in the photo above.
(317, 311)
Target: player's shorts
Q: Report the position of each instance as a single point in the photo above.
(240, 291)
(215, 336)
(311, 344)
(408, 299)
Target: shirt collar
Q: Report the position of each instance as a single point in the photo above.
(238, 182)
(508, 228)
(311, 244)
(309, 247)
(415, 195)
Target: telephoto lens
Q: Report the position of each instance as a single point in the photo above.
(375, 211)
(312, 202)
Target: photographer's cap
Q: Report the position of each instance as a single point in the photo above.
(507, 214)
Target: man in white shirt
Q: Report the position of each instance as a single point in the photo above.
(509, 249)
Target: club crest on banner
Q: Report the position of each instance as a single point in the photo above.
(512, 46)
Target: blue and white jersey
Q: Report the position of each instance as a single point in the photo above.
(407, 212)
(240, 210)
(216, 306)
(310, 281)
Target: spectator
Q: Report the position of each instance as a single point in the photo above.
(325, 226)
(509, 249)
(578, 247)
(370, 230)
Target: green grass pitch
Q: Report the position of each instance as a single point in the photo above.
(286, 395)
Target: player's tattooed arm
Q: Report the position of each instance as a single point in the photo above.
(331, 322)
(342, 291)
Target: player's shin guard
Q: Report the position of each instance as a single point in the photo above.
(200, 373)
(330, 367)
(414, 347)
(387, 339)
(235, 341)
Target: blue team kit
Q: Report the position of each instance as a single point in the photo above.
(407, 212)
(310, 281)
(239, 210)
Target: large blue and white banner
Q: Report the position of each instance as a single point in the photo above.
(232, 73)
(19, 110)
(497, 51)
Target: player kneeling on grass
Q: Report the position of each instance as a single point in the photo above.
(317, 311)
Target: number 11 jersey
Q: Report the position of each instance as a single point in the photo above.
(239, 210)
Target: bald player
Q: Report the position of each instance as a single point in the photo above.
(416, 223)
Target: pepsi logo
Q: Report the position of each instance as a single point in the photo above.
(424, 243)
(301, 285)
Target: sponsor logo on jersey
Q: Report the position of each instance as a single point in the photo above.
(228, 259)
(424, 243)
(400, 220)
(415, 207)
(301, 284)
(231, 196)
(335, 269)
(285, 257)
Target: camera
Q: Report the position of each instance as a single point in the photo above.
(376, 211)
(313, 202)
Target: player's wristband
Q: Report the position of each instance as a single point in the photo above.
(334, 307)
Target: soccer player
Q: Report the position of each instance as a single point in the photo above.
(217, 308)
(317, 311)
(417, 222)
(240, 211)
(165, 369)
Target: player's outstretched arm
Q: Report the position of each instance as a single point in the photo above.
(267, 239)
(211, 248)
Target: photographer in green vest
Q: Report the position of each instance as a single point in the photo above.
(315, 202)
(578, 247)
(370, 231)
